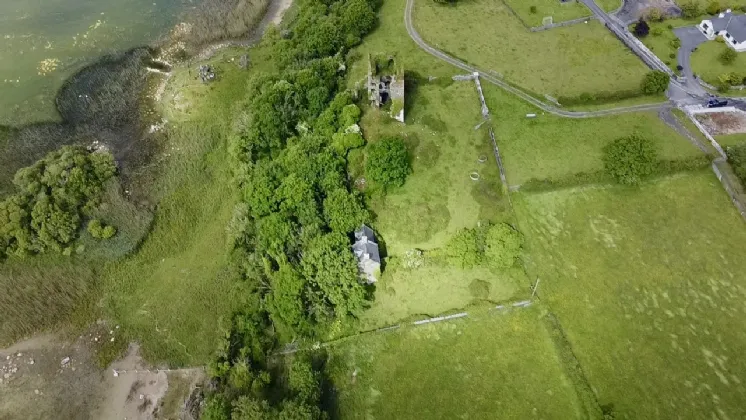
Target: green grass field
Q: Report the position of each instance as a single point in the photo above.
(498, 366)
(706, 65)
(549, 147)
(568, 61)
(559, 12)
(438, 199)
(731, 139)
(649, 286)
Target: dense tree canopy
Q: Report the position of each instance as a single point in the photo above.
(53, 196)
(388, 162)
(631, 159)
(291, 234)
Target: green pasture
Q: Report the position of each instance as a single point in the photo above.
(569, 61)
(500, 365)
(648, 284)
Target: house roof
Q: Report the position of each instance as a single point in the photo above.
(735, 25)
(363, 248)
(366, 251)
(365, 231)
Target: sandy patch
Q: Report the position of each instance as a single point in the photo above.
(724, 122)
(47, 377)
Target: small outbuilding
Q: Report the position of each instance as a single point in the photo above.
(366, 252)
(728, 25)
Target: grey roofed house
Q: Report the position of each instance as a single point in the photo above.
(730, 26)
(366, 252)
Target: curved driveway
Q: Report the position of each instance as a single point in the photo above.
(507, 87)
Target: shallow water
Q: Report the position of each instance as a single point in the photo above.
(43, 42)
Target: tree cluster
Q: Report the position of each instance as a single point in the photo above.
(52, 198)
(388, 162)
(247, 390)
(629, 160)
(291, 234)
(691, 9)
(497, 246)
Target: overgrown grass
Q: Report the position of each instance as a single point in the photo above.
(437, 200)
(568, 61)
(176, 293)
(497, 366)
(39, 293)
(707, 65)
(548, 147)
(648, 284)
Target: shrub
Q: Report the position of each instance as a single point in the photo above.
(713, 8)
(728, 56)
(642, 28)
(720, 39)
(502, 245)
(675, 43)
(655, 82)
(630, 159)
(463, 249)
(690, 9)
(654, 14)
(479, 289)
(100, 231)
(737, 159)
(388, 162)
(532, 10)
(672, 55)
(657, 31)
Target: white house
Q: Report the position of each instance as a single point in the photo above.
(731, 27)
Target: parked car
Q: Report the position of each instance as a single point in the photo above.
(716, 103)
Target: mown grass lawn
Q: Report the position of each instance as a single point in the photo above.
(498, 366)
(584, 58)
(707, 65)
(549, 147)
(559, 11)
(649, 286)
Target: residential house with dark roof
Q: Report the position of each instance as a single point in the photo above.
(730, 26)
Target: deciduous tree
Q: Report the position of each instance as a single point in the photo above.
(630, 159)
(388, 162)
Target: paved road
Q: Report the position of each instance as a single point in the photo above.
(517, 92)
(690, 38)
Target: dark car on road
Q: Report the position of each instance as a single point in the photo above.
(716, 103)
